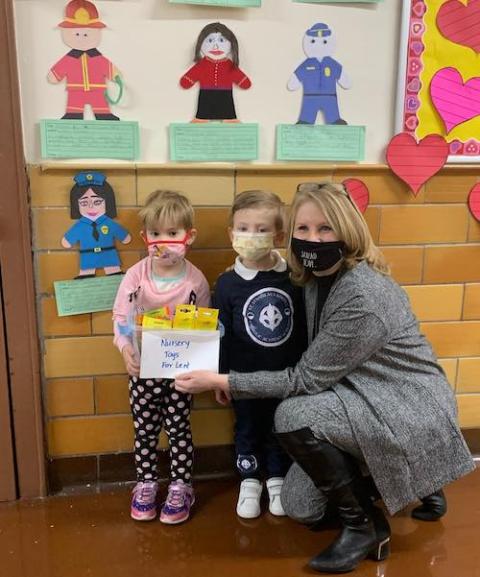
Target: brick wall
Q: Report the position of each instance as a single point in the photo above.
(431, 241)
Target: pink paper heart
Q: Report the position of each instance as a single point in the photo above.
(419, 9)
(460, 23)
(455, 101)
(414, 85)
(358, 192)
(413, 162)
(474, 202)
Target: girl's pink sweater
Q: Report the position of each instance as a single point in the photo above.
(137, 294)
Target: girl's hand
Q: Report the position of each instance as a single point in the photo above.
(131, 360)
(200, 381)
(222, 397)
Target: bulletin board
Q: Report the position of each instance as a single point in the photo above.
(152, 43)
(439, 74)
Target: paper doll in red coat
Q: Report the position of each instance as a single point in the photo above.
(216, 69)
(85, 69)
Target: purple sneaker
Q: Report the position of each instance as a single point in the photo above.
(177, 505)
(144, 501)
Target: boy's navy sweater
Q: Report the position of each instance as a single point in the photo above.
(263, 320)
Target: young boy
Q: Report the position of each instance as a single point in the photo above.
(263, 325)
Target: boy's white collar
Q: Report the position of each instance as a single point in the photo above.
(250, 273)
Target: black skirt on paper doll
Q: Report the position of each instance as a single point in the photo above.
(216, 105)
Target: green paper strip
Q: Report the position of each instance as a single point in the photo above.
(228, 3)
(213, 141)
(89, 295)
(90, 139)
(322, 142)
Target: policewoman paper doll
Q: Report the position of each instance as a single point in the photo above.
(92, 202)
(319, 75)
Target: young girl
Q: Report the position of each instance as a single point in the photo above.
(163, 278)
(264, 329)
(216, 68)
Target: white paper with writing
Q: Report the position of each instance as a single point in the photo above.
(166, 354)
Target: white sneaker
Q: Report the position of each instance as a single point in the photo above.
(248, 505)
(274, 488)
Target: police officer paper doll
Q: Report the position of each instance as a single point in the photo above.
(92, 202)
(319, 75)
(84, 68)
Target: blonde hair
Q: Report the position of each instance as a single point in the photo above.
(259, 199)
(167, 207)
(346, 221)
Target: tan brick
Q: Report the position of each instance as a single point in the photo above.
(372, 216)
(203, 188)
(205, 401)
(53, 325)
(468, 380)
(284, 183)
(473, 229)
(70, 397)
(212, 262)
(469, 411)
(52, 187)
(452, 339)
(450, 368)
(212, 427)
(212, 224)
(452, 264)
(102, 323)
(383, 185)
(111, 394)
(81, 356)
(406, 263)
(451, 185)
(90, 435)
(436, 302)
(423, 224)
(471, 305)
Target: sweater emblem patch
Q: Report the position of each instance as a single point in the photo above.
(268, 317)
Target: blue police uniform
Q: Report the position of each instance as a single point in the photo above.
(95, 253)
(319, 80)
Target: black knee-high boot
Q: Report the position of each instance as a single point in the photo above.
(432, 508)
(335, 473)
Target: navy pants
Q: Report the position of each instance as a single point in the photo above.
(256, 447)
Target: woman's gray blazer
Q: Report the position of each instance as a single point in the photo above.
(370, 352)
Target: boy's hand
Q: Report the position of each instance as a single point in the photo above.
(222, 397)
(131, 360)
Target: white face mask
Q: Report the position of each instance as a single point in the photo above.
(252, 245)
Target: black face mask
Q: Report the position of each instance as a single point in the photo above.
(318, 256)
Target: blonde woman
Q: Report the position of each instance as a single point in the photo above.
(368, 392)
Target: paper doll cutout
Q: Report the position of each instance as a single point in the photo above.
(460, 23)
(85, 69)
(415, 163)
(92, 202)
(319, 75)
(456, 101)
(217, 69)
(474, 202)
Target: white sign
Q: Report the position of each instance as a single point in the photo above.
(166, 354)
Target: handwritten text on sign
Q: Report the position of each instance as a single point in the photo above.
(166, 354)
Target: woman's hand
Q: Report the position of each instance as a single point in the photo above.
(222, 397)
(200, 381)
(130, 359)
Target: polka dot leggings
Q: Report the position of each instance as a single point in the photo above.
(155, 402)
